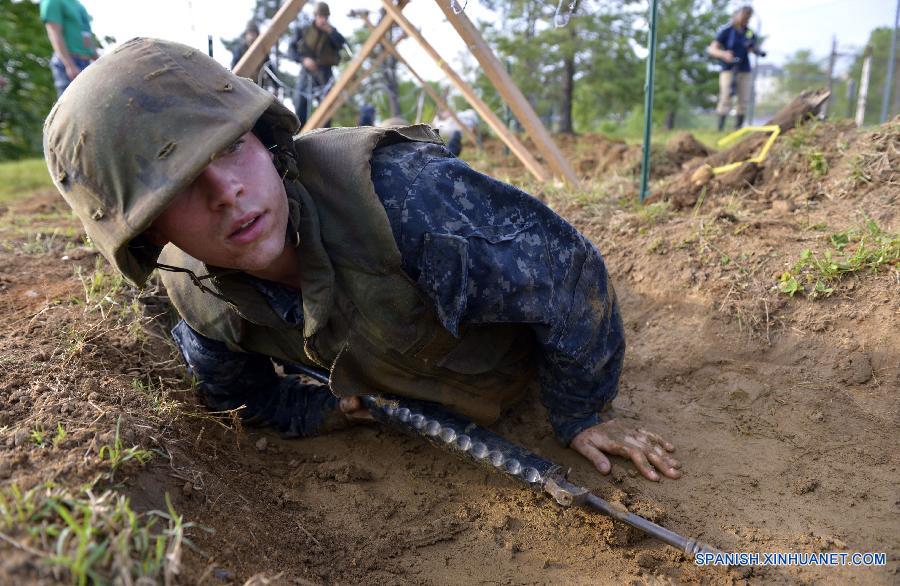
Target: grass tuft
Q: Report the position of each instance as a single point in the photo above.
(864, 248)
(117, 455)
(93, 539)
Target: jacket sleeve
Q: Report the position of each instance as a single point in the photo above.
(523, 264)
(229, 380)
(336, 40)
(295, 47)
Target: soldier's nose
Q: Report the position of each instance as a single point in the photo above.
(222, 187)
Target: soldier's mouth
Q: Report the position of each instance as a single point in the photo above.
(247, 228)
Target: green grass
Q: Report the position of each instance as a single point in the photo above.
(818, 164)
(92, 539)
(21, 178)
(107, 292)
(708, 137)
(864, 248)
(116, 455)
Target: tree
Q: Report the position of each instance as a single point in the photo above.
(28, 93)
(685, 76)
(801, 72)
(611, 76)
(552, 64)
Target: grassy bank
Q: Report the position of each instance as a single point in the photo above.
(21, 178)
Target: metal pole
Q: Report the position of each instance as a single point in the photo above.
(461, 437)
(648, 100)
(864, 88)
(892, 57)
(832, 59)
(751, 110)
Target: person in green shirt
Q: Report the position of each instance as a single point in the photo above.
(69, 29)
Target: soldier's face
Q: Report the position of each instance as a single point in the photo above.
(234, 215)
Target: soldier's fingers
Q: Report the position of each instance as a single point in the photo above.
(638, 442)
(640, 460)
(596, 457)
(662, 464)
(349, 404)
(658, 439)
(669, 460)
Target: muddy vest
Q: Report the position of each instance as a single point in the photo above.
(364, 318)
(317, 42)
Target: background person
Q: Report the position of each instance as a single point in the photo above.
(449, 131)
(317, 48)
(68, 26)
(732, 47)
(250, 34)
(366, 115)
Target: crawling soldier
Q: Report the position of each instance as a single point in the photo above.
(370, 252)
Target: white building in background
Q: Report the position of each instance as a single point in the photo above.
(765, 92)
(767, 77)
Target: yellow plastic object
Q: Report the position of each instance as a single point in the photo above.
(760, 157)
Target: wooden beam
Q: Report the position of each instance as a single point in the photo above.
(256, 53)
(392, 49)
(533, 166)
(319, 117)
(357, 81)
(498, 75)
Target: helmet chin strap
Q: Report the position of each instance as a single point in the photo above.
(198, 280)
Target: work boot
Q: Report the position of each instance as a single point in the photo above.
(738, 121)
(722, 123)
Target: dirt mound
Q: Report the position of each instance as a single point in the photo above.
(781, 397)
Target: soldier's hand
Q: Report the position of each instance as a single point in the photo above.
(728, 56)
(309, 63)
(649, 452)
(354, 411)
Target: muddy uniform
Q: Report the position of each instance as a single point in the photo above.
(543, 274)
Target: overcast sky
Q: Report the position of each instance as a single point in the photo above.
(789, 25)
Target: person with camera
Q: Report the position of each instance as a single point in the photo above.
(732, 47)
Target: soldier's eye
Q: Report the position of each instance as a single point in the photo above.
(235, 146)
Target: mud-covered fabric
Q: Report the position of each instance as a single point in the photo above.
(484, 252)
(488, 253)
(135, 128)
(231, 380)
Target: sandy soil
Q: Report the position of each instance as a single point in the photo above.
(784, 409)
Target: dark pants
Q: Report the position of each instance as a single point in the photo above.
(454, 143)
(58, 68)
(366, 115)
(310, 88)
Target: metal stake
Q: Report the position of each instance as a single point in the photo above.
(648, 100)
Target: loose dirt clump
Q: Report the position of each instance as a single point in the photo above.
(775, 374)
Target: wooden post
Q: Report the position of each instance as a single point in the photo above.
(533, 166)
(357, 81)
(863, 87)
(494, 70)
(392, 49)
(320, 115)
(256, 53)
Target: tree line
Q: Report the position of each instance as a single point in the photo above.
(586, 75)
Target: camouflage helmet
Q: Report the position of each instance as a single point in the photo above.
(137, 127)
